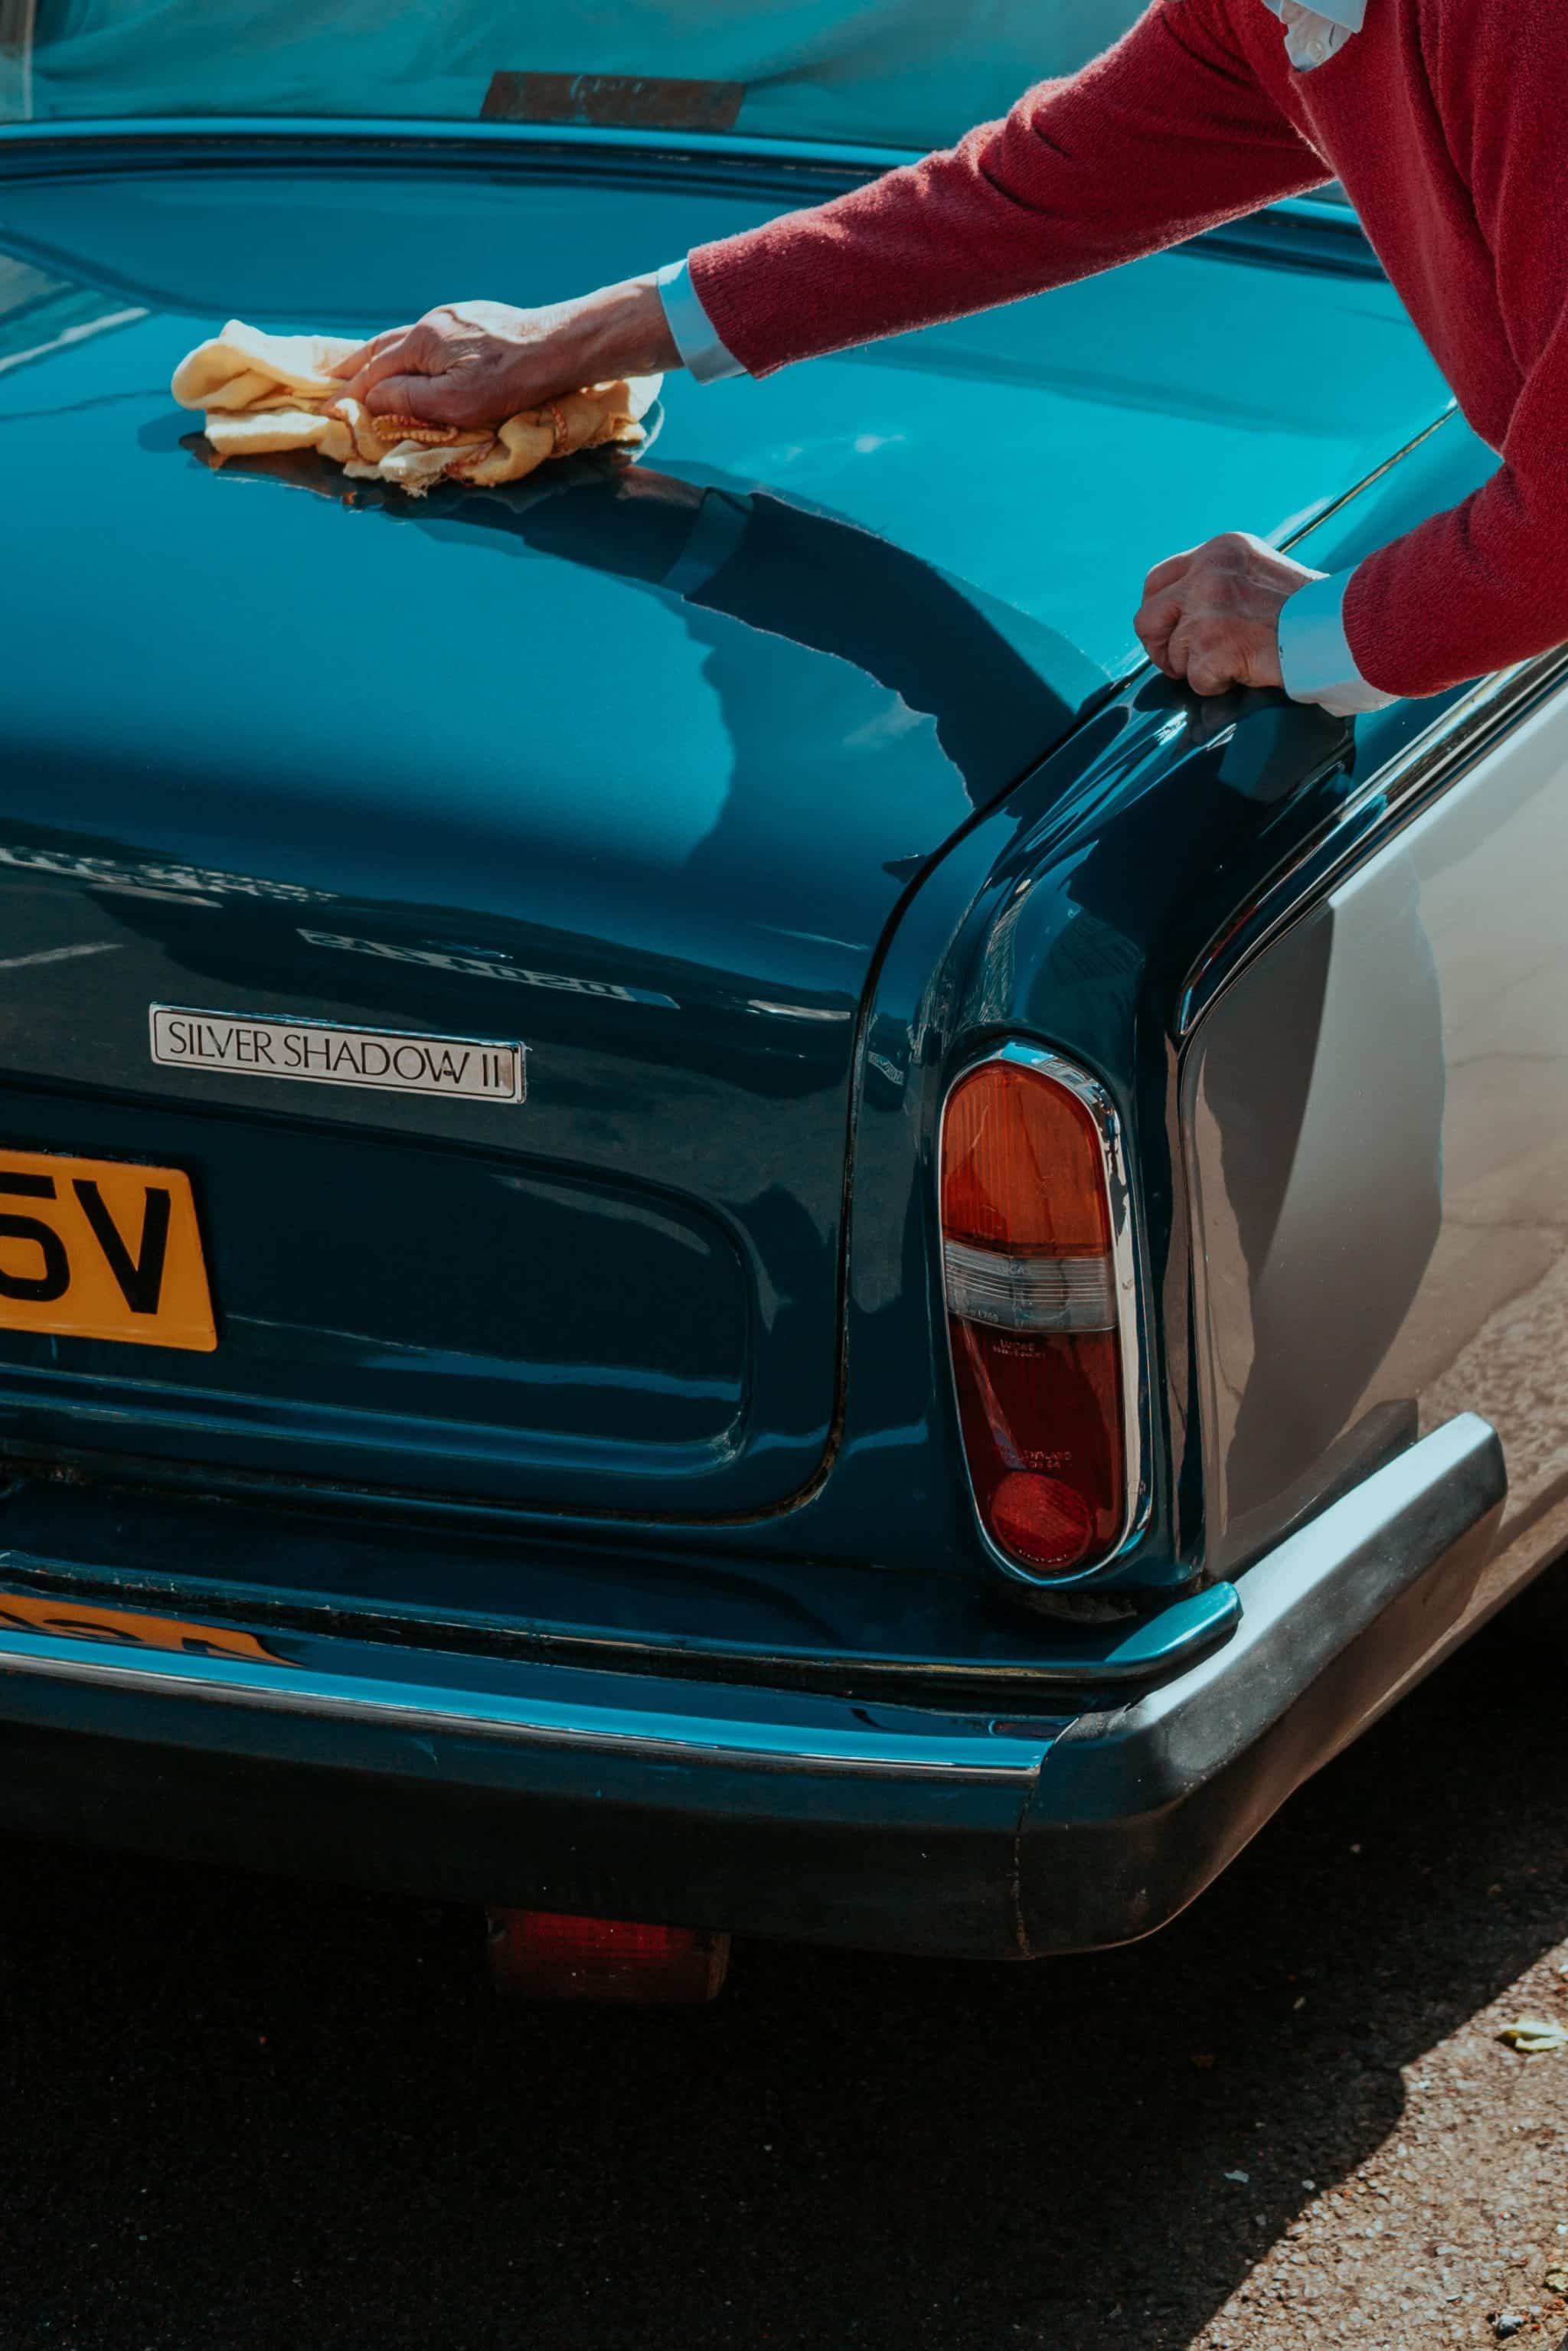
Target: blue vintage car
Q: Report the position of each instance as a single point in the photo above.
(708, 1219)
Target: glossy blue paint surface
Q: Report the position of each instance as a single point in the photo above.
(1102, 884)
(639, 767)
(336, 1573)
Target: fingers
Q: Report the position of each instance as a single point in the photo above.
(1162, 608)
(1155, 619)
(1210, 615)
(433, 399)
(1210, 655)
(404, 351)
(359, 360)
(1203, 656)
(1165, 574)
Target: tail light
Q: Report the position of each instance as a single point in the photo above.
(1038, 1271)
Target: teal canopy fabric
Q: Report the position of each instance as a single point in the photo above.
(891, 73)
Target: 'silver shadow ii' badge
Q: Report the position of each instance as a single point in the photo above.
(237, 1044)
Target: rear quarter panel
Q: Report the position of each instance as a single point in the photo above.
(1377, 1115)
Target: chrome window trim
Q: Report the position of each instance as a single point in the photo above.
(1404, 785)
(1137, 1483)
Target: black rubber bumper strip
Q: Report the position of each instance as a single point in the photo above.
(769, 1812)
(1138, 1808)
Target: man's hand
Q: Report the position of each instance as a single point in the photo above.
(476, 362)
(1212, 615)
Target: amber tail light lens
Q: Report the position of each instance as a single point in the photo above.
(1034, 1311)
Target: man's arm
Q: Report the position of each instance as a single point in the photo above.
(1169, 132)
(1498, 561)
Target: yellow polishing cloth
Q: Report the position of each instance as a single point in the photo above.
(263, 392)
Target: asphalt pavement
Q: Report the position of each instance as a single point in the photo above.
(237, 2113)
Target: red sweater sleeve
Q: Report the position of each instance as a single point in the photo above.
(1167, 133)
(1486, 584)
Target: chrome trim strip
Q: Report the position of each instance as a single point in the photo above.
(632, 1728)
(1135, 1416)
(1330, 506)
(1437, 757)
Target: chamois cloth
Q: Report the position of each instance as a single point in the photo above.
(1444, 119)
(263, 392)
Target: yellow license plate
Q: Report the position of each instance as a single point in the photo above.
(101, 1249)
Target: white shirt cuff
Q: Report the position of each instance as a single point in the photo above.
(703, 355)
(1315, 659)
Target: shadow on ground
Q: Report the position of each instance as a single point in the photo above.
(236, 2114)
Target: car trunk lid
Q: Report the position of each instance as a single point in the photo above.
(629, 768)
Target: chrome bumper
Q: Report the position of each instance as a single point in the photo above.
(1085, 1821)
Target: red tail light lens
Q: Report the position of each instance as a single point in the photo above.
(1021, 1167)
(1035, 1304)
